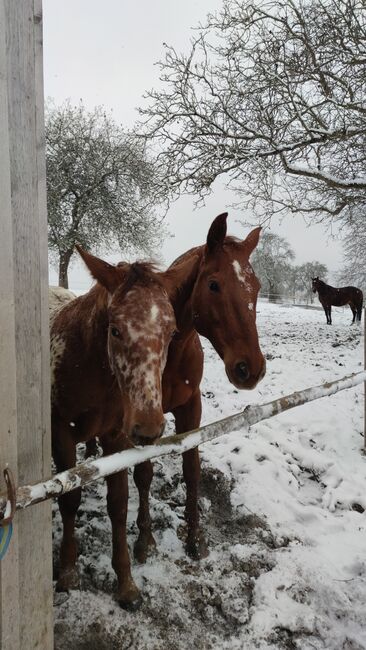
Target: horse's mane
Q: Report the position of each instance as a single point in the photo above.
(92, 306)
(322, 283)
(230, 241)
(139, 273)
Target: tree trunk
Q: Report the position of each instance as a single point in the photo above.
(272, 297)
(65, 257)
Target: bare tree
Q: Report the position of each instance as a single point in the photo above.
(305, 273)
(272, 263)
(353, 271)
(271, 95)
(101, 187)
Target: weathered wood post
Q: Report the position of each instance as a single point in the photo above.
(364, 389)
(25, 571)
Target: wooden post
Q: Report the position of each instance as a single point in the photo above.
(364, 386)
(26, 569)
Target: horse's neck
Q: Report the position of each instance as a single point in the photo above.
(92, 320)
(182, 298)
(324, 287)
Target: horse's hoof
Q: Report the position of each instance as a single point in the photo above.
(197, 548)
(130, 603)
(68, 579)
(144, 549)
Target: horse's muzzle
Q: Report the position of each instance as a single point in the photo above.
(243, 377)
(143, 435)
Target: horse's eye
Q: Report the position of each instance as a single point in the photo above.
(214, 286)
(115, 332)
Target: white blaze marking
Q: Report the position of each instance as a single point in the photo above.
(135, 333)
(241, 273)
(238, 271)
(154, 312)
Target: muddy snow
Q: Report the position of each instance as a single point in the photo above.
(282, 507)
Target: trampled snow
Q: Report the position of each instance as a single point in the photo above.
(283, 511)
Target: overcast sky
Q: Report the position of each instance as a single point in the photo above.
(104, 53)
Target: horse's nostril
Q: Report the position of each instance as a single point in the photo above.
(140, 436)
(136, 433)
(242, 371)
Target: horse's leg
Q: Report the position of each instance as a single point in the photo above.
(188, 417)
(64, 455)
(325, 307)
(128, 594)
(328, 313)
(91, 448)
(359, 311)
(354, 312)
(145, 543)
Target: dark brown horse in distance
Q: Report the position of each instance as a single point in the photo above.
(108, 352)
(329, 296)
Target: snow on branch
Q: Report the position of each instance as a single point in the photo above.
(328, 179)
(261, 81)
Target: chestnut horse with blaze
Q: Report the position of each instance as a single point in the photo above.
(108, 353)
(217, 301)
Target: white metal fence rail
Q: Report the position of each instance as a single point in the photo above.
(92, 470)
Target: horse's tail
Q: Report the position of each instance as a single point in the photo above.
(359, 308)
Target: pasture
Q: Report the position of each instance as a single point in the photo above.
(283, 509)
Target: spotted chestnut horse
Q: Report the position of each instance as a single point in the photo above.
(108, 352)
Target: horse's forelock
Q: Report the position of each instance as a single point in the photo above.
(232, 243)
(230, 240)
(139, 274)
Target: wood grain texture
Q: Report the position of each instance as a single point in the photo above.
(9, 582)
(364, 386)
(25, 313)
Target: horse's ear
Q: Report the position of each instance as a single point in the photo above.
(109, 276)
(252, 240)
(179, 275)
(217, 233)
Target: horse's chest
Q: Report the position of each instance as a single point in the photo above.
(176, 392)
(79, 386)
(98, 421)
(182, 374)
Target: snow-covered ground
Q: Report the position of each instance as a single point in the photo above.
(283, 509)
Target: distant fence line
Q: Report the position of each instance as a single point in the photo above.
(92, 470)
(280, 299)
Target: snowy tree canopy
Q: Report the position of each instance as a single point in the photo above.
(273, 262)
(353, 271)
(271, 95)
(101, 186)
